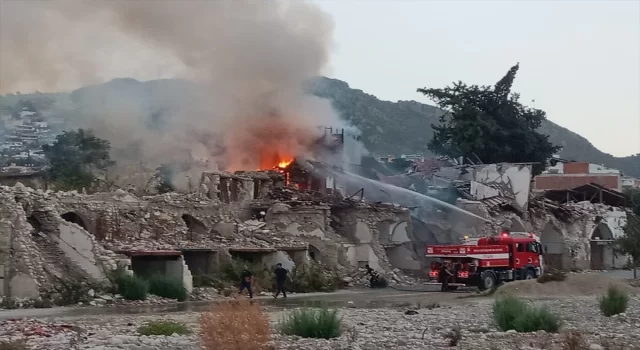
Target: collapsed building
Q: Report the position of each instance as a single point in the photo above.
(283, 215)
(325, 208)
(577, 225)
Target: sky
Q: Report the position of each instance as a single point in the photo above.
(579, 60)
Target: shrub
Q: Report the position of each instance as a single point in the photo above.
(8, 303)
(163, 328)
(615, 302)
(313, 278)
(304, 278)
(167, 287)
(552, 276)
(13, 345)
(512, 313)
(132, 287)
(236, 325)
(72, 292)
(312, 323)
(506, 310)
(537, 319)
(230, 273)
(114, 275)
(42, 303)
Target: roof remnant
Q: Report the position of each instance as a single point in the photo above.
(591, 192)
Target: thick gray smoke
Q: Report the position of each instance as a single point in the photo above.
(249, 59)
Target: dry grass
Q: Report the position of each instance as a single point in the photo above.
(573, 340)
(235, 325)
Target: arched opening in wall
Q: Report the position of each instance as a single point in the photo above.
(553, 246)
(399, 232)
(35, 224)
(196, 228)
(602, 256)
(75, 218)
(314, 253)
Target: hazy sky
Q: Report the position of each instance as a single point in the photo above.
(579, 60)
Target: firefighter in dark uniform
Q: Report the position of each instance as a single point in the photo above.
(445, 277)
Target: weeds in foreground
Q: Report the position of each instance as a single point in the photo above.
(320, 323)
(614, 302)
(167, 287)
(164, 328)
(235, 325)
(13, 345)
(513, 313)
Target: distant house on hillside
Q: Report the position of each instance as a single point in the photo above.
(565, 176)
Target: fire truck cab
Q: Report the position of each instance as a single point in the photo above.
(485, 262)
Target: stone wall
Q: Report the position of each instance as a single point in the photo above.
(20, 261)
(361, 226)
(58, 235)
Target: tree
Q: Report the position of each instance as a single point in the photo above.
(634, 195)
(489, 123)
(75, 158)
(629, 243)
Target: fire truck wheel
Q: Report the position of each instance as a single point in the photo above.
(487, 280)
(529, 274)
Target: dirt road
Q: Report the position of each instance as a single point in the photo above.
(362, 298)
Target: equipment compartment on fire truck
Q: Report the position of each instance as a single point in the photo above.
(487, 261)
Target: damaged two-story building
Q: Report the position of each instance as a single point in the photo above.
(51, 236)
(577, 225)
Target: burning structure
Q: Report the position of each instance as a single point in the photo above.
(289, 213)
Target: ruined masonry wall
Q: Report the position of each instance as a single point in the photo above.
(310, 224)
(361, 226)
(21, 270)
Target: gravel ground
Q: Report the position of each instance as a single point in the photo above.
(365, 329)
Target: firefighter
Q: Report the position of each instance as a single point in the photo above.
(373, 276)
(445, 276)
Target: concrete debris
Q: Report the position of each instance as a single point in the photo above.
(58, 237)
(62, 236)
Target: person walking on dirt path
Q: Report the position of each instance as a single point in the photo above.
(445, 276)
(246, 279)
(281, 278)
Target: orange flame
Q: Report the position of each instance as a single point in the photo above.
(269, 145)
(284, 163)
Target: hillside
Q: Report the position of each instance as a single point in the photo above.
(387, 127)
(405, 126)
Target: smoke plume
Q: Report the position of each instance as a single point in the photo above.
(249, 60)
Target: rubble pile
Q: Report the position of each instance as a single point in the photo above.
(360, 279)
(83, 237)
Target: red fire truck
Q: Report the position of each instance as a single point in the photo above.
(486, 262)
